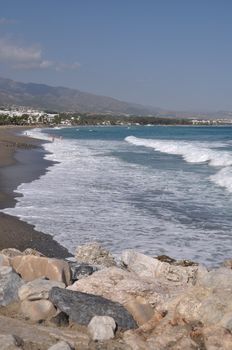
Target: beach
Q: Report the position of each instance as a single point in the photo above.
(21, 160)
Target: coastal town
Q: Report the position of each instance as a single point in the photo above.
(22, 115)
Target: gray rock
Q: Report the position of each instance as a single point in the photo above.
(82, 307)
(60, 320)
(10, 282)
(102, 328)
(138, 296)
(62, 345)
(82, 270)
(94, 254)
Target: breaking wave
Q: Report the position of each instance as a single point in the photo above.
(194, 152)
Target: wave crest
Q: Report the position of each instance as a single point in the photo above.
(193, 152)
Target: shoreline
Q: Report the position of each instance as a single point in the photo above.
(22, 160)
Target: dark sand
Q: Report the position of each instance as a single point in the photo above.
(21, 160)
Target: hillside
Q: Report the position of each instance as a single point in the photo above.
(64, 99)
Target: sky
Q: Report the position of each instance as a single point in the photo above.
(172, 54)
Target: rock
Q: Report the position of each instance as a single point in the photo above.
(10, 342)
(81, 307)
(162, 336)
(82, 270)
(30, 251)
(38, 289)
(200, 273)
(217, 338)
(207, 303)
(95, 254)
(147, 267)
(38, 310)
(4, 260)
(165, 258)
(139, 297)
(10, 282)
(11, 252)
(171, 261)
(185, 263)
(217, 279)
(102, 328)
(140, 310)
(226, 321)
(60, 320)
(62, 345)
(31, 267)
(41, 336)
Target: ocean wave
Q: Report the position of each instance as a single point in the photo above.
(194, 152)
(223, 178)
(109, 191)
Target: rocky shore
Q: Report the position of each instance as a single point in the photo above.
(93, 302)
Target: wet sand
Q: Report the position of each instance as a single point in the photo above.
(21, 160)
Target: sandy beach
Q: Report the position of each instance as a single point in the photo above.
(21, 160)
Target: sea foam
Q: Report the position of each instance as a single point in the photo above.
(107, 190)
(194, 152)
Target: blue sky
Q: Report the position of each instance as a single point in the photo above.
(174, 54)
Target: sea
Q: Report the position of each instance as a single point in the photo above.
(157, 189)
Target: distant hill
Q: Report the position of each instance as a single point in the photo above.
(64, 99)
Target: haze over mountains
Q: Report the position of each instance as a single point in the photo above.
(63, 99)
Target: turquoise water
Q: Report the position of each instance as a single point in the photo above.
(161, 190)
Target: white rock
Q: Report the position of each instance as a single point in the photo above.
(62, 345)
(147, 267)
(38, 289)
(102, 328)
(217, 279)
(94, 253)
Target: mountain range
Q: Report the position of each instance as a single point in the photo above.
(62, 99)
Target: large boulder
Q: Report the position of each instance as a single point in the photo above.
(137, 295)
(102, 328)
(31, 267)
(150, 268)
(10, 283)
(82, 307)
(94, 254)
(38, 289)
(204, 305)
